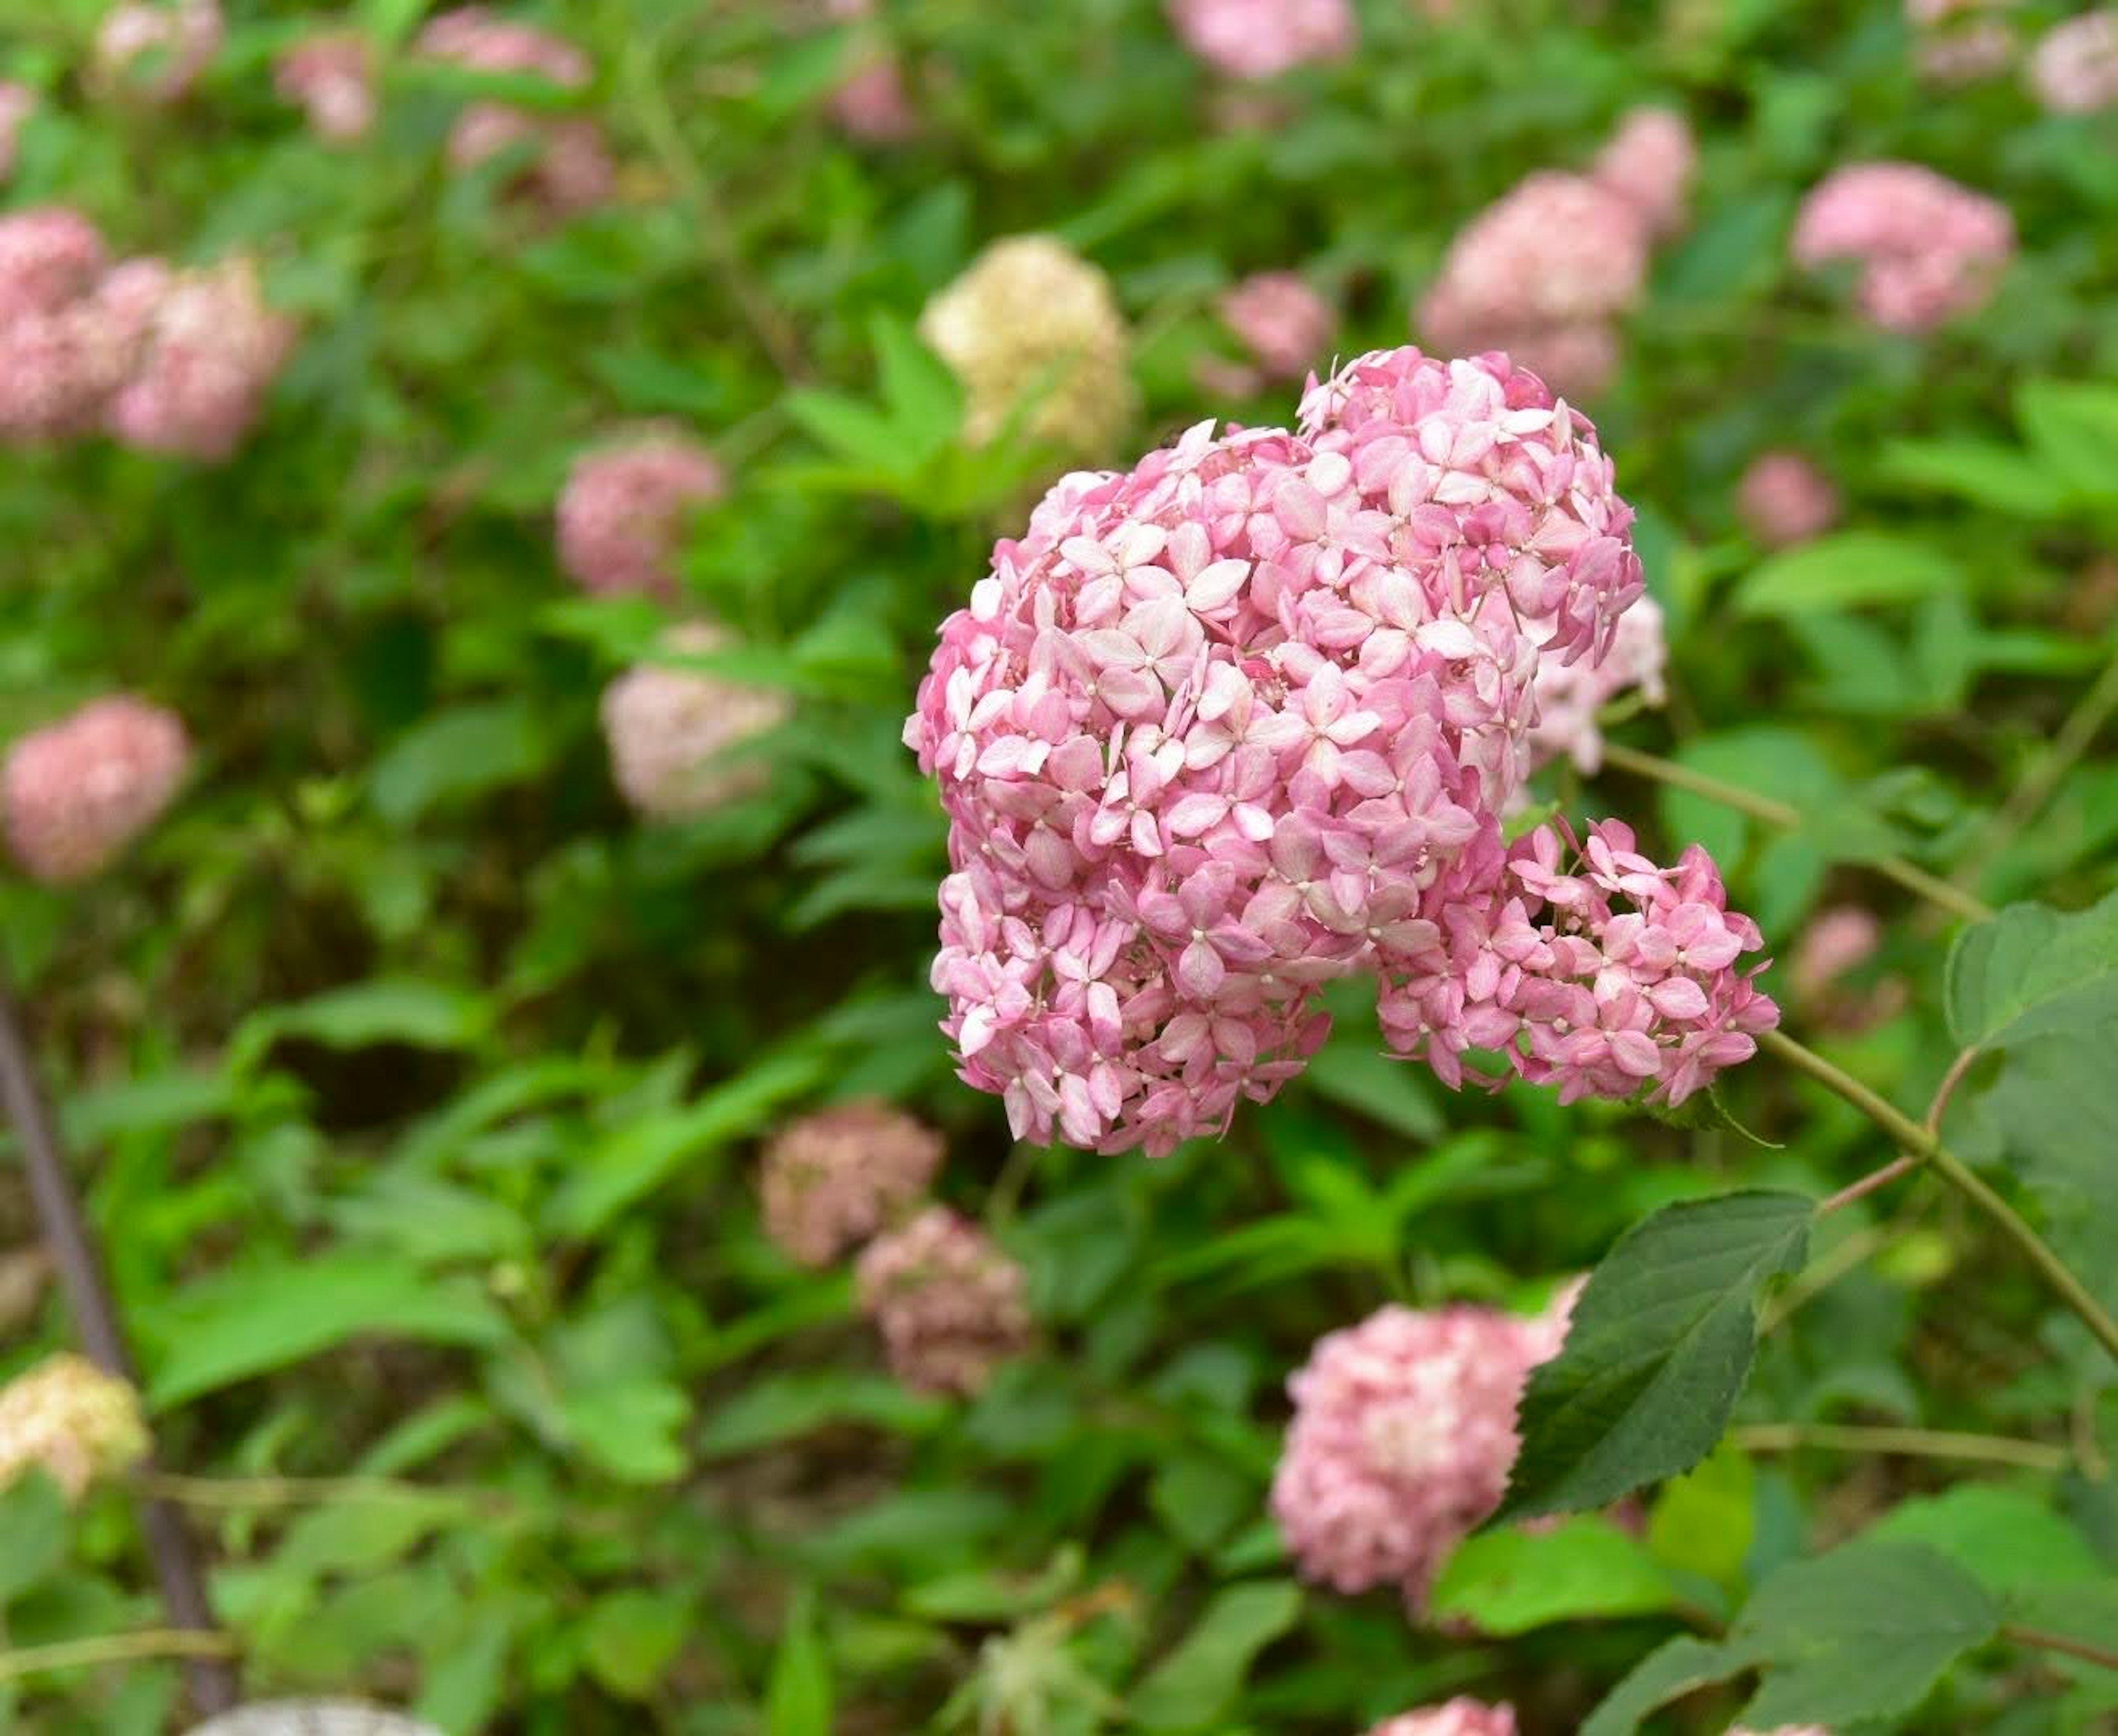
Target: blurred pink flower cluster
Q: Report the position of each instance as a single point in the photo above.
(950, 1305)
(156, 49)
(18, 103)
(2073, 70)
(1547, 271)
(165, 359)
(1570, 695)
(1458, 1717)
(1927, 248)
(75, 793)
(672, 732)
(1784, 499)
(1246, 719)
(1402, 1437)
(871, 102)
(571, 170)
(833, 1179)
(1262, 38)
(1284, 323)
(623, 512)
(332, 77)
(1955, 42)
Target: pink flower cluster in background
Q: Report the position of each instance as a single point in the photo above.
(1928, 249)
(572, 169)
(1262, 38)
(1458, 1717)
(623, 510)
(1570, 695)
(332, 78)
(833, 1179)
(156, 49)
(1402, 1437)
(872, 102)
(75, 793)
(672, 732)
(1956, 42)
(1284, 324)
(1547, 271)
(1784, 500)
(1247, 718)
(167, 360)
(950, 1305)
(2073, 70)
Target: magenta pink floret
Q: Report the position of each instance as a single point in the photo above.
(1928, 249)
(1262, 38)
(1402, 1437)
(1458, 1717)
(76, 792)
(1245, 719)
(949, 1303)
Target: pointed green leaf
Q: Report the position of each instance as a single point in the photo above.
(1853, 569)
(2033, 972)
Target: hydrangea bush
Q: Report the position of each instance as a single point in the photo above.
(1508, 621)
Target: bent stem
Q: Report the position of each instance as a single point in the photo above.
(2073, 1647)
(1921, 1142)
(1784, 815)
(1918, 1443)
(115, 1648)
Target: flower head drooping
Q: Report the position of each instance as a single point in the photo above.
(1283, 323)
(1032, 322)
(75, 794)
(573, 171)
(622, 515)
(1784, 499)
(1543, 274)
(671, 731)
(1402, 1437)
(79, 1423)
(1459, 1717)
(1928, 249)
(332, 77)
(1649, 163)
(949, 1304)
(156, 49)
(208, 349)
(1570, 695)
(2073, 70)
(1262, 38)
(833, 1179)
(1244, 719)
(18, 102)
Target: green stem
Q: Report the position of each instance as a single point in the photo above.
(1918, 1142)
(1919, 1443)
(2082, 725)
(1784, 815)
(115, 1648)
(2067, 1643)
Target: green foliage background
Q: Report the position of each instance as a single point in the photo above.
(416, 1087)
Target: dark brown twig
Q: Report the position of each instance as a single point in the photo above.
(212, 1678)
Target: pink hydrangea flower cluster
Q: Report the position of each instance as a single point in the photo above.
(1570, 695)
(872, 102)
(2073, 70)
(950, 1304)
(1784, 499)
(1650, 162)
(621, 513)
(1956, 42)
(75, 794)
(331, 77)
(1402, 1437)
(1247, 718)
(1262, 38)
(831, 1180)
(1928, 249)
(1459, 1717)
(166, 360)
(157, 48)
(671, 731)
(1283, 323)
(18, 102)
(573, 170)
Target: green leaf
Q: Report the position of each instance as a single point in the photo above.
(1509, 1582)
(248, 1323)
(632, 1637)
(1984, 472)
(798, 1700)
(853, 429)
(630, 1429)
(35, 1529)
(923, 396)
(1672, 1670)
(1703, 1521)
(1358, 1077)
(1863, 1632)
(2008, 1538)
(1851, 569)
(420, 1015)
(2074, 425)
(782, 1407)
(2032, 972)
(1661, 1343)
(1193, 1686)
(458, 754)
